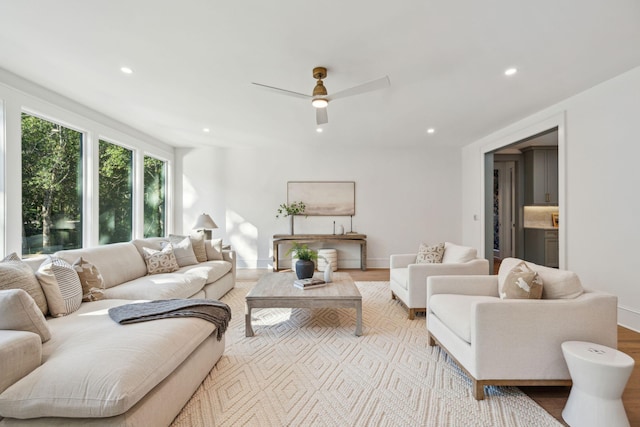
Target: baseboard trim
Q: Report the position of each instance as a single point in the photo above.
(629, 318)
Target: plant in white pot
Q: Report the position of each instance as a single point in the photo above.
(290, 210)
(305, 265)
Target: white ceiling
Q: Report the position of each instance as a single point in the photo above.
(194, 61)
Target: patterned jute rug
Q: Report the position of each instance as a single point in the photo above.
(307, 368)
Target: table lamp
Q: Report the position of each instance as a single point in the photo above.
(205, 223)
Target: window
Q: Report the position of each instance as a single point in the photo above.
(115, 193)
(154, 197)
(51, 186)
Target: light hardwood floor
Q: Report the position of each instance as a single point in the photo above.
(552, 399)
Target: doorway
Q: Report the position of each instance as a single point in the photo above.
(518, 219)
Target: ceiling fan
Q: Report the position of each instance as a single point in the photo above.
(320, 98)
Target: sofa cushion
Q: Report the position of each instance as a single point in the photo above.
(16, 274)
(182, 249)
(400, 276)
(430, 254)
(20, 313)
(558, 284)
(214, 249)
(210, 270)
(116, 262)
(90, 279)
(94, 367)
(162, 261)
(199, 248)
(149, 242)
(456, 254)
(61, 286)
(454, 311)
(521, 283)
(158, 286)
(20, 354)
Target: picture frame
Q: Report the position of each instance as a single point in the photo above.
(554, 219)
(324, 198)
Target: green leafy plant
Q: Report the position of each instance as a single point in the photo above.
(303, 252)
(293, 208)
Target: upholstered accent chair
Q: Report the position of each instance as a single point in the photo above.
(408, 279)
(516, 342)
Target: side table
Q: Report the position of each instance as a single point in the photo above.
(599, 375)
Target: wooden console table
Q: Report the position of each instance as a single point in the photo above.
(360, 239)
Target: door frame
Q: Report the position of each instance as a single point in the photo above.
(557, 120)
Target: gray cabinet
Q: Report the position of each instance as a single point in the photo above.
(541, 176)
(541, 246)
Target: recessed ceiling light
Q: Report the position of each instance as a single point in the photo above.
(510, 71)
(206, 130)
(431, 130)
(319, 130)
(126, 70)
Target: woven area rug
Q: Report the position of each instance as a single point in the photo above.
(307, 368)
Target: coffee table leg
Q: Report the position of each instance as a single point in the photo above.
(248, 330)
(358, 318)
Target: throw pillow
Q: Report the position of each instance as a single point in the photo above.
(430, 254)
(90, 279)
(182, 249)
(163, 261)
(61, 286)
(214, 249)
(199, 247)
(457, 254)
(20, 313)
(16, 274)
(521, 283)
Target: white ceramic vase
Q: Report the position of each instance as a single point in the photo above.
(328, 273)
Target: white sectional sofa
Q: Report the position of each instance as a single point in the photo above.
(94, 371)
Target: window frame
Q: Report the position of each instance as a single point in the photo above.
(18, 96)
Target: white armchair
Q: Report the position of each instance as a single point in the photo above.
(515, 341)
(408, 280)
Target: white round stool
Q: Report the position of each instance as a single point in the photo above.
(325, 256)
(599, 375)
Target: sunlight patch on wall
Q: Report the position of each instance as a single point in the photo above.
(243, 237)
(189, 193)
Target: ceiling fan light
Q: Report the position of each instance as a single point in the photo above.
(320, 103)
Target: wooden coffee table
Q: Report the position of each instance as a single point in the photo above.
(276, 290)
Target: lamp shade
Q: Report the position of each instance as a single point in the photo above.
(204, 221)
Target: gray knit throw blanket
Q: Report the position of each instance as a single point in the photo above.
(213, 311)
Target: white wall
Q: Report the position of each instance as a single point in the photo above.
(18, 95)
(403, 197)
(601, 196)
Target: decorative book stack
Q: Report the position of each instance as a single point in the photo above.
(308, 283)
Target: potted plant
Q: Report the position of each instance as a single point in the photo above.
(289, 210)
(305, 265)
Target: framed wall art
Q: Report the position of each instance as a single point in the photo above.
(328, 198)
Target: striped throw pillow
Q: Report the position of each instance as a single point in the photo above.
(61, 286)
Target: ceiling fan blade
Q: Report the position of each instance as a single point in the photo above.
(380, 83)
(321, 116)
(283, 91)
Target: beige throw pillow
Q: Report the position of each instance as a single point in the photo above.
(16, 274)
(182, 249)
(199, 248)
(90, 279)
(214, 249)
(20, 313)
(163, 261)
(521, 283)
(430, 254)
(61, 286)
